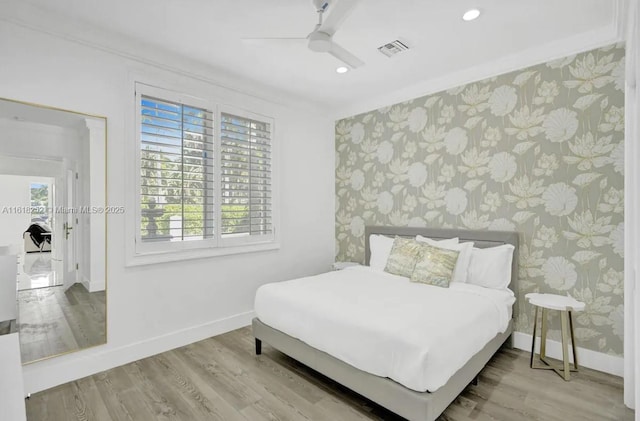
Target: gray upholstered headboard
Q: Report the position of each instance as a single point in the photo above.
(481, 239)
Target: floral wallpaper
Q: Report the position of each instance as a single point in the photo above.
(539, 151)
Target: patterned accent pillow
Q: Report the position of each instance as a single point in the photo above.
(434, 266)
(403, 257)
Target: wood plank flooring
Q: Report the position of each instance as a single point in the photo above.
(221, 379)
(52, 321)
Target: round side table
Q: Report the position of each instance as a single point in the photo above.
(565, 305)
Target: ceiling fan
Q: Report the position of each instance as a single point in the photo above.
(321, 38)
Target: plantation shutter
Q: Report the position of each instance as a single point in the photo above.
(176, 177)
(246, 184)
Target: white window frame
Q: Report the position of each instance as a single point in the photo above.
(164, 251)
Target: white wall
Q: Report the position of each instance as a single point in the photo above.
(14, 191)
(8, 289)
(26, 139)
(84, 251)
(153, 308)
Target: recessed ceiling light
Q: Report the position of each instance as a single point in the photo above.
(471, 14)
(342, 69)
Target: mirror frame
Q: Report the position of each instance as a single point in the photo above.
(106, 271)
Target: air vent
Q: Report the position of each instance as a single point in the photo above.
(393, 48)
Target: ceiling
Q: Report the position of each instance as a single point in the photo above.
(211, 31)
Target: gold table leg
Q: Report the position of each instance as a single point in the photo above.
(543, 335)
(565, 346)
(565, 370)
(573, 343)
(533, 339)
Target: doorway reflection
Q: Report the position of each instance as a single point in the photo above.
(52, 228)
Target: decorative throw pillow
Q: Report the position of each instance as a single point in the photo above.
(435, 265)
(460, 274)
(403, 257)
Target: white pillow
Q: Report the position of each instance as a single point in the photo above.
(462, 265)
(491, 267)
(438, 243)
(380, 246)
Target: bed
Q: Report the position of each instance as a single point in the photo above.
(389, 370)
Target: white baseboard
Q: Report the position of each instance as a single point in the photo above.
(586, 358)
(53, 372)
(93, 286)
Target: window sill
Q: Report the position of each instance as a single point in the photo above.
(141, 259)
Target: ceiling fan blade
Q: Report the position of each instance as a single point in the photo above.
(338, 12)
(266, 40)
(345, 56)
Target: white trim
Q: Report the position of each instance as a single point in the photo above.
(521, 60)
(632, 207)
(202, 253)
(217, 185)
(622, 18)
(98, 144)
(611, 364)
(66, 368)
(138, 254)
(182, 98)
(93, 285)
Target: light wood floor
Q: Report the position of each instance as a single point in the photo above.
(221, 379)
(52, 321)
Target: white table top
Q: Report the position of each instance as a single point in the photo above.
(554, 302)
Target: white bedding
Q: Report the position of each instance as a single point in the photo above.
(418, 335)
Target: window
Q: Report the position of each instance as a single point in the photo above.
(40, 202)
(200, 185)
(176, 178)
(246, 177)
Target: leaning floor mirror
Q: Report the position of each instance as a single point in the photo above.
(52, 228)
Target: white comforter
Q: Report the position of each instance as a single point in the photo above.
(418, 335)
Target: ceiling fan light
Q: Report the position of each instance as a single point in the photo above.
(471, 14)
(342, 69)
(319, 42)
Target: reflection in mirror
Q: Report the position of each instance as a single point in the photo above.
(52, 228)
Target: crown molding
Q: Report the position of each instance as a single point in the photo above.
(61, 27)
(607, 35)
(58, 26)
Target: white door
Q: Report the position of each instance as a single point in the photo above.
(68, 233)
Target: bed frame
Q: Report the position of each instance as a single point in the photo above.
(415, 406)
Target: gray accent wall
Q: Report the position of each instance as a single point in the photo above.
(538, 151)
